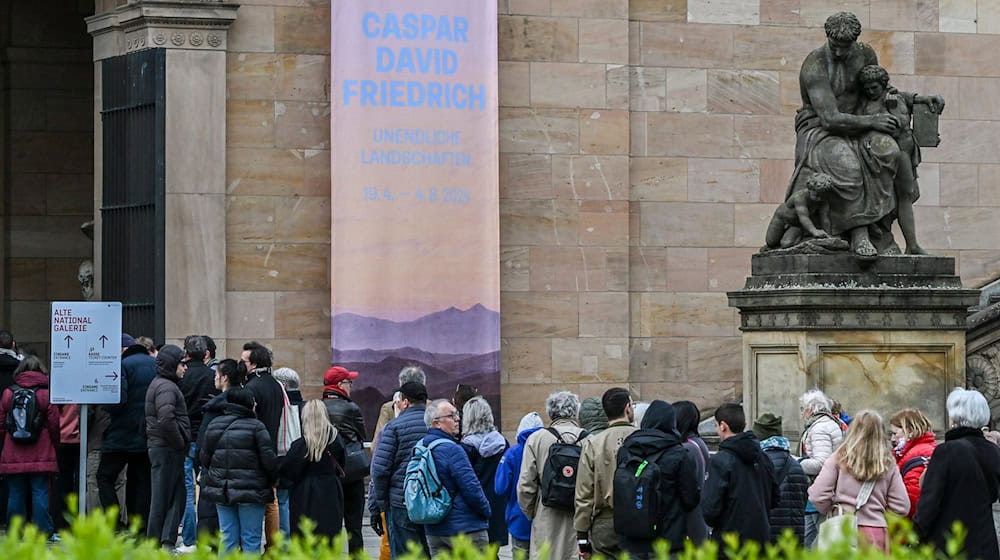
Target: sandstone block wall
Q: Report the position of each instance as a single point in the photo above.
(46, 170)
(643, 146)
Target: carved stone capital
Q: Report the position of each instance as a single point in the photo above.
(148, 24)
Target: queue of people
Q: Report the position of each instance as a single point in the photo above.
(602, 477)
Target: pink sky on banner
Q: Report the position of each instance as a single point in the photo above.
(415, 219)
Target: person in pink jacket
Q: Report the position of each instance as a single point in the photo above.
(29, 465)
(865, 455)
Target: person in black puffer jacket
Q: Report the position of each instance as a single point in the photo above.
(227, 376)
(789, 511)
(680, 489)
(240, 469)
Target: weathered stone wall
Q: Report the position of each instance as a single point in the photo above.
(643, 146)
(278, 183)
(48, 160)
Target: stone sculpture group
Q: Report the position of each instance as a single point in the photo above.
(857, 148)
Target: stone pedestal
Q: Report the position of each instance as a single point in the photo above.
(884, 336)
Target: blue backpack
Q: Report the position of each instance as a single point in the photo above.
(427, 500)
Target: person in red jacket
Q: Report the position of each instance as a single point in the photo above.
(912, 445)
(29, 465)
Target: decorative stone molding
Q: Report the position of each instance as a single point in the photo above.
(177, 24)
(982, 366)
(834, 292)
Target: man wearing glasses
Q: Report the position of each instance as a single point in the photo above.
(470, 510)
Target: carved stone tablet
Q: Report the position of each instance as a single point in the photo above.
(925, 126)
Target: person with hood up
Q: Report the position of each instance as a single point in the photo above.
(485, 447)
(29, 466)
(168, 435)
(470, 511)
(227, 376)
(679, 490)
(913, 444)
(239, 471)
(740, 489)
(688, 418)
(505, 484)
(592, 416)
(793, 486)
(595, 475)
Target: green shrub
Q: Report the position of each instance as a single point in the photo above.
(93, 537)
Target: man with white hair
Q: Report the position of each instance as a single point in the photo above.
(550, 525)
(470, 510)
(962, 481)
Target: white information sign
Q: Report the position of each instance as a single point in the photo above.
(86, 352)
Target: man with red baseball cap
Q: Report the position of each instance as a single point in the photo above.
(346, 416)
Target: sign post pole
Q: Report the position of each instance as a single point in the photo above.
(85, 363)
(82, 496)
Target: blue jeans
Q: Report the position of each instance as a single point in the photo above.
(402, 531)
(189, 532)
(17, 499)
(242, 526)
(284, 518)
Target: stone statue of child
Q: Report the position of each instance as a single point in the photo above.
(880, 98)
(796, 214)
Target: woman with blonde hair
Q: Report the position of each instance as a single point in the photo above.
(313, 470)
(912, 445)
(862, 471)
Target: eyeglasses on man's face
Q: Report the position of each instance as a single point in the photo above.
(454, 416)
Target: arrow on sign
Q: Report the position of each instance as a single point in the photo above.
(67, 339)
(103, 339)
(113, 375)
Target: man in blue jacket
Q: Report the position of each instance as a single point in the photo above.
(470, 510)
(505, 484)
(395, 448)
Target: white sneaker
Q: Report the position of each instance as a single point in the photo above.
(185, 549)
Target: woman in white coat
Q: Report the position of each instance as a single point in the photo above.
(820, 438)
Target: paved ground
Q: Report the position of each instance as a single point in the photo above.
(373, 541)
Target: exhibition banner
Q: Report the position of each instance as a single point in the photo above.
(415, 216)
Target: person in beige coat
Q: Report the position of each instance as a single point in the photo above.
(820, 438)
(594, 520)
(549, 527)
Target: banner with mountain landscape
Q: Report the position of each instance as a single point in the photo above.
(415, 210)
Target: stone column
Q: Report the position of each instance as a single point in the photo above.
(885, 337)
(195, 37)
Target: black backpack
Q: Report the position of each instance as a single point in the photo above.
(559, 472)
(636, 502)
(24, 419)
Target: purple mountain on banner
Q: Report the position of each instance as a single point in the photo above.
(472, 331)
